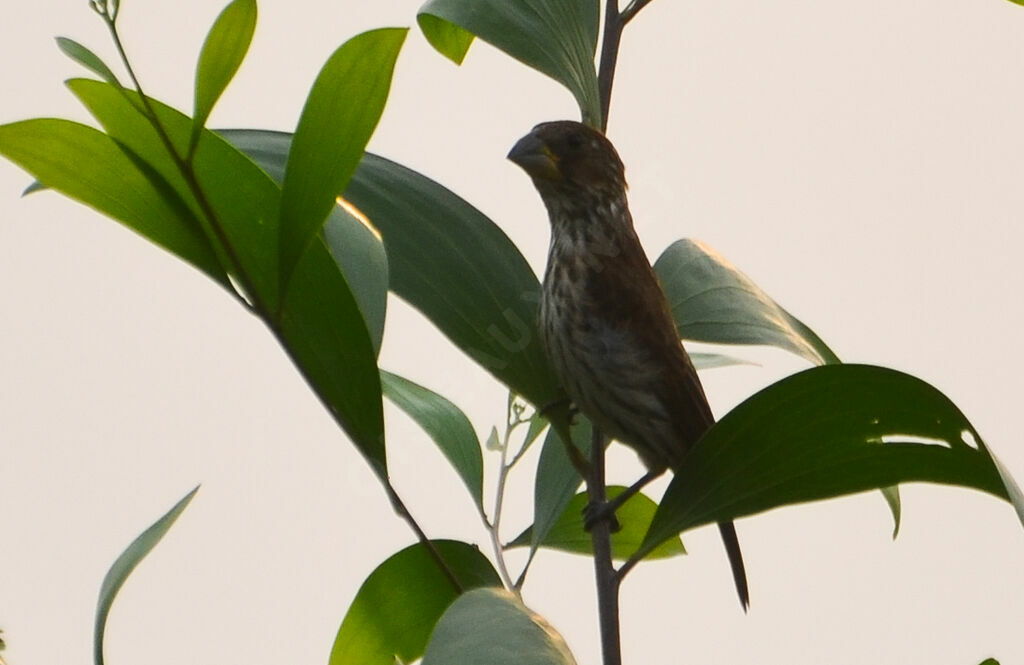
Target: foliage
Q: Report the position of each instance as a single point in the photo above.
(310, 232)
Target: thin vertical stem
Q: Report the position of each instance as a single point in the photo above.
(613, 25)
(604, 571)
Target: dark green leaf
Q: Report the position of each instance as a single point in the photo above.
(400, 602)
(87, 59)
(86, 165)
(324, 329)
(340, 114)
(555, 37)
(634, 516)
(446, 424)
(225, 48)
(359, 253)
(461, 271)
(989, 661)
(714, 302)
(354, 243)
(826, 432)
(493, 627)
(124, 566)
(243, 197)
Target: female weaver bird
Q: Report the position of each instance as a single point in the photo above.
(605, 323)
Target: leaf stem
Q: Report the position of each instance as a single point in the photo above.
(613, 25)
(403, 512)
(614, 22)
(494, 526)
(188, 173)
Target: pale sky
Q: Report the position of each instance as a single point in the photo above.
(861, 162)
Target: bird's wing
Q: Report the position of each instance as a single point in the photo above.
(644, 355)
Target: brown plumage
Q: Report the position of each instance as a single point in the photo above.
(604, 320)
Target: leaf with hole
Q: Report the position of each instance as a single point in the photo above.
(826, 432)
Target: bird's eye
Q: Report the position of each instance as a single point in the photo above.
(575, 140)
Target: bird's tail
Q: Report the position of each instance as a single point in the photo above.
(739, 574)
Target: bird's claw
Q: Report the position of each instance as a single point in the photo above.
(596, 512)
(571, 410)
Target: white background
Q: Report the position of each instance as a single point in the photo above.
(862, 162)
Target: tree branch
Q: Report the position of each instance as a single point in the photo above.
(613, 25)
(632, 9)
(604, 571)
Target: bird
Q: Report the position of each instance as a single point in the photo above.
(604, 321)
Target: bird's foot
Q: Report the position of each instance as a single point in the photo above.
(564, 402)
(596, 512)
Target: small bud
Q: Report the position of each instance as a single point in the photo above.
(493, 441)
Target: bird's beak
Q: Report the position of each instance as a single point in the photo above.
(534, 156)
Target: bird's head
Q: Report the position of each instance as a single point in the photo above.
(569, 158)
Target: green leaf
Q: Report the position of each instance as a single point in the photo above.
(635, 516)
(826, 432)
(461, 271)
(397, 606)
(86, 165)
(556, 481)
(450, 40)
(555, 37)
(124, 566)
(324, 331)
(87, 59)
(716, 360)
(354, 243)
(446, 424)
(340, 114)
(989, 661)
(243, 197)
(493, 627)
(714, 302)
(223, 51)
